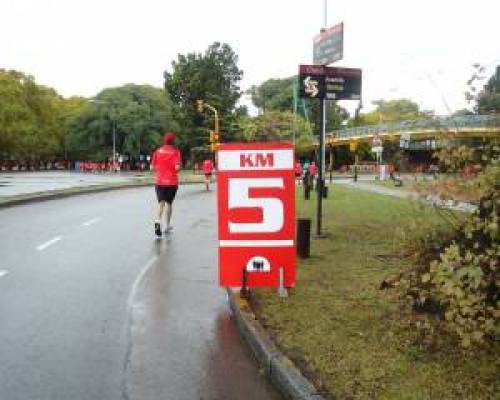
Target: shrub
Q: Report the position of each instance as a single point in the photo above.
(464, 282)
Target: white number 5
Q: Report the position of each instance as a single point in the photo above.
(272, 208)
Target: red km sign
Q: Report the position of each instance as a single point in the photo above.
(256, 205)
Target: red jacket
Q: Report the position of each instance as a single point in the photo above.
(313, 169)
(166, 162)
(207, 167)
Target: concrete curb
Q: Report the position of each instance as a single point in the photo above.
(281, 370)
(77, 190)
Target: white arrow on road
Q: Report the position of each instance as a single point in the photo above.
(311, 86)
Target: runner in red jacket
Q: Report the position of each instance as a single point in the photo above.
(313, 172)
(208, 167)
(166, 162)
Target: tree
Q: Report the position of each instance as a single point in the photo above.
(278, 126)
(138, 114)
(391, 111)
(213, 77)
(485, 99)
(488, 100)
(274, 95)
(30, 116)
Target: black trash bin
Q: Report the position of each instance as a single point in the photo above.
(304, 237)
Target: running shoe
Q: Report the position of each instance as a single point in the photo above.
(157, 229)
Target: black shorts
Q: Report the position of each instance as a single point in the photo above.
(166, 193)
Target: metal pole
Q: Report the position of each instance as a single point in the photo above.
(114, 146)
(319, 185)
(325, 14)
(216, 121)
(321, 179)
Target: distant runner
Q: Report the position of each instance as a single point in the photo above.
(208, 167)
(166, 162)
(313, 171)
(298, 171)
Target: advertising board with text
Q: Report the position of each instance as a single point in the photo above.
(256, 213)
(329, 45)
(330, 83)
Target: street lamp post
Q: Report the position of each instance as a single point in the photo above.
(114, 144)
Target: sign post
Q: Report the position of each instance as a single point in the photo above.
(256, 214)
(327, 83)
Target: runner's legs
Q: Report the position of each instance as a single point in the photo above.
(169, 213)
(161, 208)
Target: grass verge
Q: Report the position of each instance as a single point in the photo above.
(354, 340)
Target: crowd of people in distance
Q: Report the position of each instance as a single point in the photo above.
(78, 166)
(29, 165)
(109, 166)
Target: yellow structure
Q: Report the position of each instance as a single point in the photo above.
(214, 135)
(437, 128)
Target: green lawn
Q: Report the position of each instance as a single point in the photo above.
(188, 176)
(352, 339)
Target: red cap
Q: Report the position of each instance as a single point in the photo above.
(169, 138)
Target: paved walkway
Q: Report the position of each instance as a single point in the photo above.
(372, 187)
(407, 194)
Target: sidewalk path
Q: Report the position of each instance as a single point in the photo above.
(407, 194)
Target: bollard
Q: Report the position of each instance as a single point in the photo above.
(282, 292)
(304, 237)
(244, 291)
(325, 192)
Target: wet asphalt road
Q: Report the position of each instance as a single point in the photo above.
(93, 307)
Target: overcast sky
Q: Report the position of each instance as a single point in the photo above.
(421, 50)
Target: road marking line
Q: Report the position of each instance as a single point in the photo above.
(50, 242)
(3, 272)
(91, 221)
(138, 280)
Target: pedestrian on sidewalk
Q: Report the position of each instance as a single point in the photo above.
(208, 168)
(166, 163)
(298, 172)
(313, 172)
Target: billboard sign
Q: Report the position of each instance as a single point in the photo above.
(330, 83)
(329, 45)
(256, 213)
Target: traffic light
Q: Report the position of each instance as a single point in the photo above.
(199, 105)
(214, 137)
